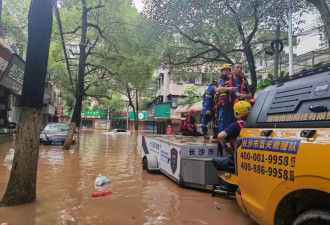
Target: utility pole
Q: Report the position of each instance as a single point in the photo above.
(290, 40)
(1, 18)
(277, 51)
(108, 119)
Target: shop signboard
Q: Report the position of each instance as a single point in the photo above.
(14, 75)
(5, 56)
(141, 116)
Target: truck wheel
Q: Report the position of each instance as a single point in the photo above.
(145, 164)
(313, 217)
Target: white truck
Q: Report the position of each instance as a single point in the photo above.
(186, 160)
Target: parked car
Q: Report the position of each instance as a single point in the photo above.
(55, 134)
(119, 131)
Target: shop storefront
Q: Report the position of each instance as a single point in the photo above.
(142, 117)
(90, 119)
(159, 115)
(11, 83)
(119, 121)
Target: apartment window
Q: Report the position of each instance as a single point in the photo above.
(191, 80)
(161, 80)
(174, 102)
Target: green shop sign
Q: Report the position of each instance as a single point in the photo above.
(141, 115)
(90, 114)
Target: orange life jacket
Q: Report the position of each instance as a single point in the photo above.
(221, 98)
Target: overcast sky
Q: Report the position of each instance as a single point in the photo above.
(138, 4)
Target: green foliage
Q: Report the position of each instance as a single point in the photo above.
(14, 22)
(192, 96)
(116, 104)
(270, 77)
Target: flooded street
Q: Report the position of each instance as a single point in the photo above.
(66, 181)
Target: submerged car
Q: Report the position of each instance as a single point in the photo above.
(55, 134)
(119, 131)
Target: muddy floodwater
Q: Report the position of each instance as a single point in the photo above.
(66, 181)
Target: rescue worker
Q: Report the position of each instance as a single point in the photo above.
(188, 127)
(208, 113)
(234, 86)
(242, 110)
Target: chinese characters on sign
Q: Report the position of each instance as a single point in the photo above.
(273, 145)
(299, 117)
(14, 75)
(201, 152)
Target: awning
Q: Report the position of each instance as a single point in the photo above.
(185, 108)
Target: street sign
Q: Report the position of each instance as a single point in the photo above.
(14, 75)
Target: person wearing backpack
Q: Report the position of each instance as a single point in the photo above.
(188, 127)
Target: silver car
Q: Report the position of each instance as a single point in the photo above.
(55, 134)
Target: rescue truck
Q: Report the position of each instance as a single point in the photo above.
(282, 155)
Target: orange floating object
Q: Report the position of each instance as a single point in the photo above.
(102, 193)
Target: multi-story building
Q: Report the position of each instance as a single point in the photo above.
(51, 103)
(163, 110)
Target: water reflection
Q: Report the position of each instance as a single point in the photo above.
(66, 181)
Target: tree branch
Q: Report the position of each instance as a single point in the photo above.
(74, 31)
(94, 7)
(256, 23)
(59, 22)
(92, 46)
(98, 29)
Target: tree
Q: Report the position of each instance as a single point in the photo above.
(85, 69)
(14, 23)
(215, 30)
(323, 8)
(22, 182)
(192, 96)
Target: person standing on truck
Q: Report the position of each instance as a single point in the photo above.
(208, 111)
(234, 87)
(188, 127)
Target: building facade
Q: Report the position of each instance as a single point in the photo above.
(162, 111)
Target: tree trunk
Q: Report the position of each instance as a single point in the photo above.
(250, 58)
(76, 116)
(136, 116)
(21, 188)
(60, 28)
(22, 182)
(322, 6)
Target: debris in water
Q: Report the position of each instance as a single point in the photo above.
(101, 180)
(10, 156)
(216, 208)
(102, 193)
